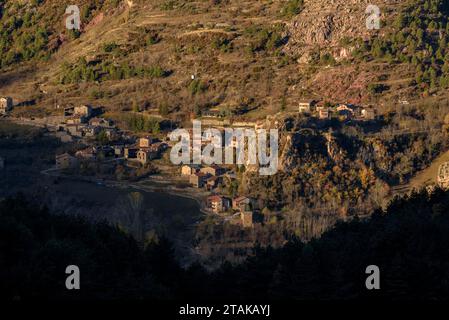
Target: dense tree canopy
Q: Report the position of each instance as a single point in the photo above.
(409, 243)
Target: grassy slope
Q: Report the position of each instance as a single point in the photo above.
(232, 77)
(187, 32)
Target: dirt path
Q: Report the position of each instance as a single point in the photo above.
(429, 175)
(424, 177)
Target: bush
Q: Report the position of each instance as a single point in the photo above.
(140, 123)
(197, 86)
(292, 8)
(109, 47)
(376, 88)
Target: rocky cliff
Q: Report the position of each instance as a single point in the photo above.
(327, 24)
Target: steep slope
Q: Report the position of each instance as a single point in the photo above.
(248, 57)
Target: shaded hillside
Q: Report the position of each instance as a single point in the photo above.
(409, 243)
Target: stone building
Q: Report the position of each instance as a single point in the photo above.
(305, 106)
(443, 176)
(213, 170)
(5, 105)
(100, 122)
(145, 155)
(198, 179)
(324, 114)
(240, 203)
(368, 114)
(146, 142)
(218, 204)
(65, 161)
(84, 110)
(189, 169)
(247, 218)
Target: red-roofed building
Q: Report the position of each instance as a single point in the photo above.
(218, 204)
(240, 202)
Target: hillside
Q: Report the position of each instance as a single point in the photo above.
(408, 243)
(247, 57)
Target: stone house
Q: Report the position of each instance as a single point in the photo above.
(5, 105)
(218, 204)
(83, 110)
(75, 130)
(100, 122)
(368, 114)
(145, 142)
(247, 218)
(443, 176)
(324, 114)
(76, 120)
(65, 161)
(305, 106)
(90, 131)
(240, 202)
(189, 169)
(213, 170)
(119, 150)
(146, 155)
(198, 179)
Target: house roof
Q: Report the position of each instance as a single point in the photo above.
(66, 154)
(97, 119)
(191, 165)
(241, 198)
(146, 150)
(199, 174)
(216, 198)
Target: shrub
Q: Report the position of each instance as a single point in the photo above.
(292, 8)
(197, 86)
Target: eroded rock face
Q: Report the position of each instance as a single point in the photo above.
(324, 24)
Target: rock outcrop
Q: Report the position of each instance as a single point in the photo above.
(324, 24)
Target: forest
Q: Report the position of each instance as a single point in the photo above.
(408, 242)
(418, 38)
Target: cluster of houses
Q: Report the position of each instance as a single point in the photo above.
(6, 105)
(146, 149)
(79, 122)
(209, 177)
(242, 205)
(91, 153)
(342, 111)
